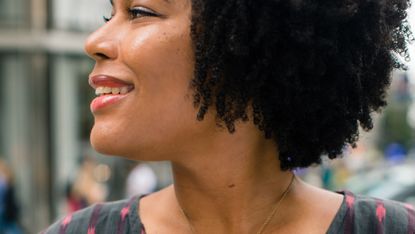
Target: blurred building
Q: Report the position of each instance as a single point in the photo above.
(44, 97)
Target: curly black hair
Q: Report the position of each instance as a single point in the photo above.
(306, 72)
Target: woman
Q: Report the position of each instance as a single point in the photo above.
(236, 94)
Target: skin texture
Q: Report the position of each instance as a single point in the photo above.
(155, 54)
(226, 183)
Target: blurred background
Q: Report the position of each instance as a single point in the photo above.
(47, 166)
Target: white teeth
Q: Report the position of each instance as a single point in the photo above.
(124, 90)
(99, 91)
(115, 90)
(108, 90)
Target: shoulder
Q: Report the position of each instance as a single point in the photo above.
(112, 217)
(371, 215)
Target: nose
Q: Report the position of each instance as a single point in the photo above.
(101, 44)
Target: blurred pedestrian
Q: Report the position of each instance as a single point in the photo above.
(141, 180)
(75, 201)
(9, 209)
(85, 189)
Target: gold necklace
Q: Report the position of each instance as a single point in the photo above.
(267, 220)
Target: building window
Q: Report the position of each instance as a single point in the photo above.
(2, 111)
(79, 15)
(14, 14)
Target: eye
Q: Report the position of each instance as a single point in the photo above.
(138, 12)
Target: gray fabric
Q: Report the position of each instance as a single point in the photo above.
(107, 219)
(369, 215)
(357, 215)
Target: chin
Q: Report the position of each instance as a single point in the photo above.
(110, 144)
(101, 147)
(103, 143)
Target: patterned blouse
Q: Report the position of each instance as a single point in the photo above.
(357, 215)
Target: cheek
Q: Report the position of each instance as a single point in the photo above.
(159, 53)
(162, 117)
(163, 66)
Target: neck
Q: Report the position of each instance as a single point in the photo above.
(232, 191)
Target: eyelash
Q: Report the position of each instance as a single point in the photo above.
(134, 13)
(106, 19)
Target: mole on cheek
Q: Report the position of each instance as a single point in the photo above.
(164, 37)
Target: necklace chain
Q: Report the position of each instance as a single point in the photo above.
(267, 220)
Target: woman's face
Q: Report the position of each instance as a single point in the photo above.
(144, 58)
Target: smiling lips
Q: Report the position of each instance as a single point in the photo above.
(109, 90)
